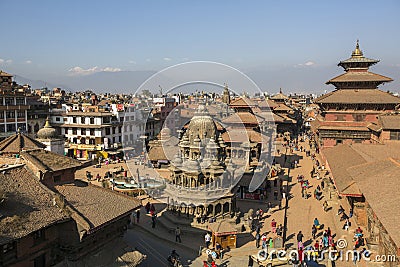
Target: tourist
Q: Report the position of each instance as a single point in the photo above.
(207, 239)
(218, 248)
(316, 223)
(314, 231)
(147, 207)
(300, 236)
(137, 215)
(340, 210)
(152, 209)
(251, 261)
(264, 240)
(325, 205)
(178, 235)
(273, 226)
(322, 184)
(258, 240)
(279, 230)
(153, 220)
(351, 213)
(271, 243)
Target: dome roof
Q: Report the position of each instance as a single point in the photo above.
(47, 132)
(201, 126)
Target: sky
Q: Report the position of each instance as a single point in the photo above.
(60, 40)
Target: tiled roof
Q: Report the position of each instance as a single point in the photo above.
(381, 196)
(358, 60)
(242, 118)
(358, 96)
(279, 96)
(97, 205)
(222, 227)
(46, 160)
(28, 206)
(242, 102)
(390, 121)
(339, 159)
(16, 143)
(359, 76)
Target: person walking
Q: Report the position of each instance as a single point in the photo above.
(273, 226)
(258, 240)
(300, 236)
(264, 241)
(314, 231)
(137, 216)
(147, 207)
(178, 235)
(153, 220)
(207, 239)
(251, 261)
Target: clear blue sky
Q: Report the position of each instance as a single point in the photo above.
(46, 39)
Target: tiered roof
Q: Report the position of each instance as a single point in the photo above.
(356, 96)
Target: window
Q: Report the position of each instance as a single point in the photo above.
(339, 141)
(1, 101)
(11, 128)
(1, 115)
(106, 120)
(20, 114)
(40, 261)
(20, 101)
(73, 119)
(58, 119)
(38, 236)
(82, 120)
(8, 247)
(74, 131)
(394, 135)
(113, 130)
(91, 120)
(91, 131)
(9, 101)
(108, 131)
(10, 114)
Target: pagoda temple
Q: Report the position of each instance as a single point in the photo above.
(349, 114)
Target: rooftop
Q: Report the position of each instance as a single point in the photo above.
(390, 121)
(367, 176)
(359, 76)
(358, 96)
(14, 144)
(97, 205)
(28, 206)
(49, 161)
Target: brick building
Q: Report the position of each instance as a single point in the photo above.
(349, 114)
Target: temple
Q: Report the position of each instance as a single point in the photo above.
(349, 114)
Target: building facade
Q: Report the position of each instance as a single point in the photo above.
(13, 106)
(349, 113)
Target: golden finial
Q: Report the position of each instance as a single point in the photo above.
(357, 52)
(47, 124)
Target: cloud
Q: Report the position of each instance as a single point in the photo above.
(148, 59)
(167, 59)
(8, 61)
(28, 62)
(132, 62)
(81, 71)
(307, 64)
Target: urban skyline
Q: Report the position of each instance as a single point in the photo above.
(287, 44)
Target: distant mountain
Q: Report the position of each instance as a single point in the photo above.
(295, 79)
(37, 84)
(113, 82)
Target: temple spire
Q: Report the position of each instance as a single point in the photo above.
(357, 52)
